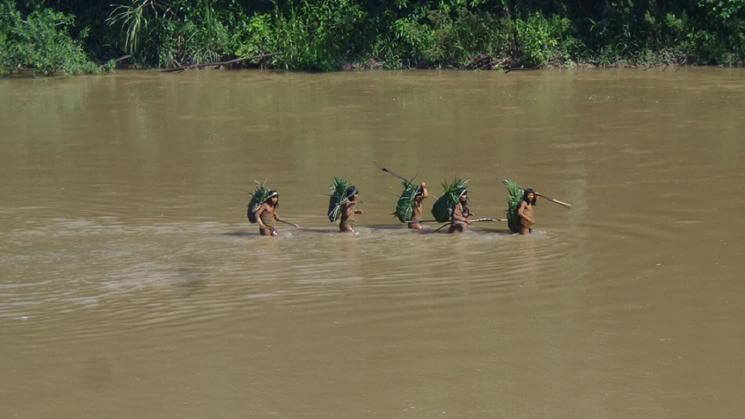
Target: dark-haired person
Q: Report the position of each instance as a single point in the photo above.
(348, 210)
(459, 220)
(267, 214)
(416, 220)
(527, 211)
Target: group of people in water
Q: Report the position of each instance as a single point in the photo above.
(266, 212)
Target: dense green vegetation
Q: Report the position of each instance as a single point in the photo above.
(324, 35)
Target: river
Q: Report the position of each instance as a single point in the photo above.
(132, 285)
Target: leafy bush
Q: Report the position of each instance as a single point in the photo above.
(316, 36)
(442, 38)
(415, 41)
(544, 40)
(48, 36)
(186, 42)
(40, 43)
(255, 36)
(175, 34)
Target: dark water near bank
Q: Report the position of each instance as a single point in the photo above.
(131, 284)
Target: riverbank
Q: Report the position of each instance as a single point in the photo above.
(48, 38)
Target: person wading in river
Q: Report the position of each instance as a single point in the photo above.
(416, 220)
(459, 220)
(348, 210)
(527, 211)
(267, 214)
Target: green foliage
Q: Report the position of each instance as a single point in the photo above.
(337, 198)
(718, 32)
(442, 209)
(723, 10)
(316, 36)
(405, 204)
(514, 198)
(40, 42)
(257, 198)
(48, 36)
(543, 41)
(415, 41)
(186, 42)
(441, 38)
(173, 33)
(134, 21)
(255, 36)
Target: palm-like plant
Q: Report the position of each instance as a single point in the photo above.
(257, 198)
(134, 19)
(514, 198)
(337, 198)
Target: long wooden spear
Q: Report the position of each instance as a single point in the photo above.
(441, 227)
(555, 201)
(289, 223)
(391, 172)
(477, 220)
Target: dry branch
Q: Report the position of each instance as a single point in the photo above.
(219, 63)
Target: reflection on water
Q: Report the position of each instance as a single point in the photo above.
(132, 285)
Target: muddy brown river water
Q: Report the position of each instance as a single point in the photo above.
(131, 284)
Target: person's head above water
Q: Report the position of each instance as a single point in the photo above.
(352, 192)
(530, 196)
(272, 197)
(463, 198)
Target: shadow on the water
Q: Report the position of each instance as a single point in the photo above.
(242, 233)
(388, 227)
(382, 228)
(316, 230)
(320, 230)
(190, 280)
(500, 231)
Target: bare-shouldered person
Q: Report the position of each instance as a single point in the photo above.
(266, 215)
(527, 211)
(349, 210)
(416, 220)
(459, 220)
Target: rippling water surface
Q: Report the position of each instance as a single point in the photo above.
(131, 284)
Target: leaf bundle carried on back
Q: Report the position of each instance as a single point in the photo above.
(514, 198)
(337, 199)
(259, 196)
(405, 204)
(442, 209)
